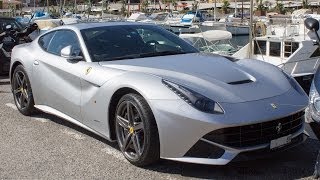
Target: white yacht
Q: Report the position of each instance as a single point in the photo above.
(290, 47)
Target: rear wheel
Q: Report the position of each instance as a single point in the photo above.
(136, 130)
(22, 92)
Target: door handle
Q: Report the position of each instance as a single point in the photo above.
(36, 62)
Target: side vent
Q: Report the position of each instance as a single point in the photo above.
(241, 82)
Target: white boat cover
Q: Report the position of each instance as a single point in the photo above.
(137, 17)
(211, 35)
(48, 23)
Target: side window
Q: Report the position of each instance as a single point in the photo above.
(63, 38)
(260, 47)
(275, 49)
(44, 40)
(290, 48)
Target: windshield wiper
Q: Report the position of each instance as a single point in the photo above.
(161, 53)
(150, 54)
(131, 56)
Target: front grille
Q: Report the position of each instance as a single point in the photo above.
(256, 134)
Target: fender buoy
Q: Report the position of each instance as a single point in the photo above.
(260, 29)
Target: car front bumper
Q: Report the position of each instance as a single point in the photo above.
(181, 127)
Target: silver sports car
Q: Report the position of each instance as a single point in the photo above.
(156, 95)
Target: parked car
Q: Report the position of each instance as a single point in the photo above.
(4, 21)
(12, 34)
(156, 95)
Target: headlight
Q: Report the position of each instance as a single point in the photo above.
(314, 97)
(293, 83)
(195, 99)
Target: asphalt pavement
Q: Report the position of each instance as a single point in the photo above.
(47, 147)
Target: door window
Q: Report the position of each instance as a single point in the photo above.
(44, 40)
(63, 38)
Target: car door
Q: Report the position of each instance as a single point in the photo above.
(57, 80)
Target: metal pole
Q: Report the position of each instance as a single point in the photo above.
(48, 6)
(215, 10)
(102, 3)
(235, 8)
(75, 6)
(242, 11)
(250, 28)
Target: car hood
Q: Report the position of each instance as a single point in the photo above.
(213, 76)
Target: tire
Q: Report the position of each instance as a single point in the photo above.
(22, 92)
(316, 129)
(137, 133)
(4, 64)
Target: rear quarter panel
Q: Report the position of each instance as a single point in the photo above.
(23, 54)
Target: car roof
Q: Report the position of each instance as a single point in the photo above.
(88, 25)
(10, 18)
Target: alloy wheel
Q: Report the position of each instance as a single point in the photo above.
(20, 90)
(130, 130)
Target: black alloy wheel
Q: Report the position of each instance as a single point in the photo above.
(136, 130)
(22, 92)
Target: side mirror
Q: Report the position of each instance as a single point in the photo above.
(8, 27)
(68, 53)
(313, 25)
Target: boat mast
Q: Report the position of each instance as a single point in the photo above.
(250, 28)
(214, 10)
(102, 4)
(235, 8)
(242, 11)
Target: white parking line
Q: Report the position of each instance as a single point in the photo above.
(12, 106)
(72, 134)
(115, 153)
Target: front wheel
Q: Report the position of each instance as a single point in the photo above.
(22, 92)
(136, 130)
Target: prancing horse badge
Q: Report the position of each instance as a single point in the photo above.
(273, 106)
(88, 70)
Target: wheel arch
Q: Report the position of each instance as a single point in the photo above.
(13, 67)
(113, 104)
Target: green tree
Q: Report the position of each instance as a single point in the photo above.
(280, 7)
(261, 6)
(305, 4)
(195, 5)
(144, 5)
(225, 6)
(123, 10)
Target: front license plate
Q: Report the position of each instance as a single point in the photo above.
(280, 141)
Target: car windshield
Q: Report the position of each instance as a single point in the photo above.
(15, 24)
(110, 43)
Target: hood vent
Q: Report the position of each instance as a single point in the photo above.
(241, 82)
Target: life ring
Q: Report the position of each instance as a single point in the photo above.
(260, 29)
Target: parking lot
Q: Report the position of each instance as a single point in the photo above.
(46, 146)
